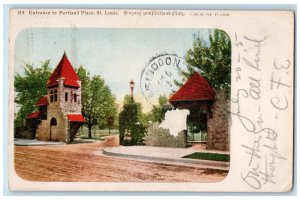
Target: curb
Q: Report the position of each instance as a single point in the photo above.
(31, 144)
(218, 164)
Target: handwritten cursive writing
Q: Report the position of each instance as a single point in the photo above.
(261, 148)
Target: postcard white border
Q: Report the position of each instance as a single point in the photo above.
(234, 23)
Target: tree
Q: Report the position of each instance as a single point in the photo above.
(131, 127)
(98, 103)
(213, 60)
(110, 123)
(140, 115)
(158, 111)
(29, 88)
(127, 99)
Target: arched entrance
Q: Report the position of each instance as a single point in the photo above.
(197, 125)
(53, 122)
(197, 96)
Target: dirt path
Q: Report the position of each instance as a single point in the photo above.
(77, 162)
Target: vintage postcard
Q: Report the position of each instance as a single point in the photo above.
(151, 100)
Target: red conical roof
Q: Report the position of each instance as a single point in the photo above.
(64, 69)
(196, 88)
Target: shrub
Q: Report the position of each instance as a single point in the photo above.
(157, 136)
(131, 131)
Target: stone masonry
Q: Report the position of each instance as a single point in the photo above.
(59, 109)
(61, 114)
(218, 123)
(41, 131)
(70, 106)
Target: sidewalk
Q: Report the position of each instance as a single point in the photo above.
(165, 155)
(26, 142)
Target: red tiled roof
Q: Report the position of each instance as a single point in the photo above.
(64, 69)
(42, 101)
(196, 88)
(76, 118)
(34, 115)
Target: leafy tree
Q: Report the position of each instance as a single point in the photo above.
(29, 88)
(158, 111)
(140, 115)
(213, 60)
(98, 103)
(127, 99)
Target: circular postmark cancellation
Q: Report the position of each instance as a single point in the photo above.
(159, 75)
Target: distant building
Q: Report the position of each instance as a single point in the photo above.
(59, 113)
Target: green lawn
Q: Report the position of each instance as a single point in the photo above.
(209, 156)
(96, 133)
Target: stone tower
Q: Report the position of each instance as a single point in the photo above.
(62, 106)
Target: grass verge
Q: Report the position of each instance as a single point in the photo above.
(209, 156)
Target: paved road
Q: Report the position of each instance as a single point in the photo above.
(77, 162)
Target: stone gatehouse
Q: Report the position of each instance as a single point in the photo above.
(59, 112)
(208, 118)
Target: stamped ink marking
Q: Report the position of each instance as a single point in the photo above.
(158, 76)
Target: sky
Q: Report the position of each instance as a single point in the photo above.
(117, 55)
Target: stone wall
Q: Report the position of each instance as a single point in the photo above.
(41, 131)
(218, 124)
(70, 106)
(58, 132)
(111, 140)
(161, 137)
(59, 111)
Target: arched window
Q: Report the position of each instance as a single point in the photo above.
(53, 122)
(75, 97)
(55, 95)
(51, 96)
(66, 96)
